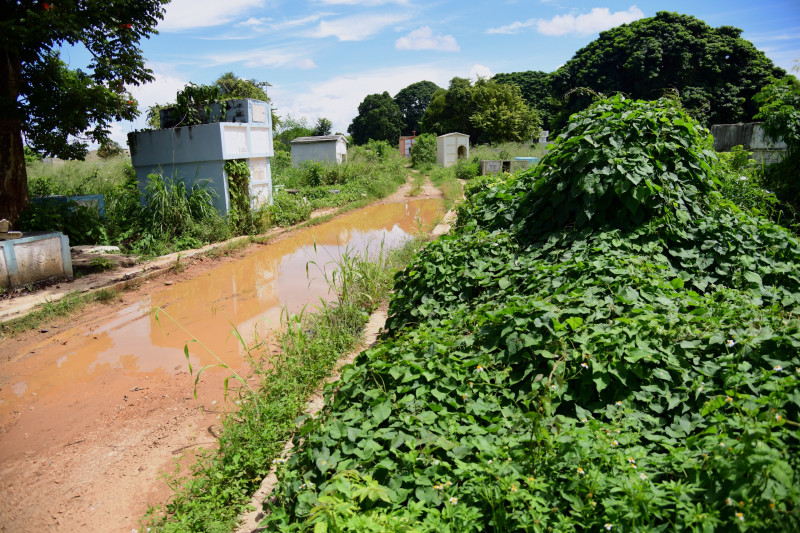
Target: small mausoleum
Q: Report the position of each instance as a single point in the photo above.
(236, 129)
(322, 148)
(406, 143)
(750, 136)
(451, 147)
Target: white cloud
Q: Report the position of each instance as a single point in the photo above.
(479, 71)
(161, 91)
(253, 22)
(293, 23)
(264, 57)
(187, 14)
(356, 27)
(361, 2)
(597, 20)
(514, 27)
(424, 39)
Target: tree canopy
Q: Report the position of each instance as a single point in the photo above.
(291, 128)
(56, 108)
(378, 118)
(536, 90)
(323, 126)
(232, 86)
(413, 101)
(715, 72)
(486, 111)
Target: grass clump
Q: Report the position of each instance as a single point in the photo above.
(43, 313)
(605, 342)
(219, 485)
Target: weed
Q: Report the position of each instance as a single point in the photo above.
(178, 267)
(70, 303)
(101, 264)
(418, 180)
(446, 182)
(106, 295)
(261, 239)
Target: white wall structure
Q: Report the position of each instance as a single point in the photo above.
(322, 148)
(35, 256)
(197, 153)
(751, 137)
(451, 147)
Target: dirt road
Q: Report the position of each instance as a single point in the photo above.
(94, 407)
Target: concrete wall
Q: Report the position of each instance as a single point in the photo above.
(34, 257)
(260, 182)
(196, 153)
(191, 173)
(495, 166)
(447, 148)
(405, 145)
(330, 152)
(751, 137)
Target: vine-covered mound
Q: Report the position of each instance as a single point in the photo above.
(627, 367)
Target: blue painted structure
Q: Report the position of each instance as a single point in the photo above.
(198, 153)
(96, 201)
(35, 256)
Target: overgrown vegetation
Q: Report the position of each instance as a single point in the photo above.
(423, 151)
(371, 171)
(606, 343)
(780, 109)
(170, 216)
(218, 486)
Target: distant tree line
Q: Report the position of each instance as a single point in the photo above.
(713, 72)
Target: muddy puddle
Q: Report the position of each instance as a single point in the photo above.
(250, 294)
(91, 417)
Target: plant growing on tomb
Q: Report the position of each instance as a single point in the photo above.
(240, 214)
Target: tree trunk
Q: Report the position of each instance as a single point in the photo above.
(13, 178)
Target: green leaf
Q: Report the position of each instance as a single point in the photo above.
(381, 412)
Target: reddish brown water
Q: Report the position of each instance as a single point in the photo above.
(250, 293)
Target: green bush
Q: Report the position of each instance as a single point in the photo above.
(629, 365)
(741, 182)
(81, 223)
(466, 169)
(780, 109)
(423, 152)
(289, 209)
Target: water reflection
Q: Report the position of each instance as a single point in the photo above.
(244, 293)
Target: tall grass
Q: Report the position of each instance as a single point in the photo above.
(72, 178)
(219, 484)
(506, 151)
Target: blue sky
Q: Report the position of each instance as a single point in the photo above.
(323, 57)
